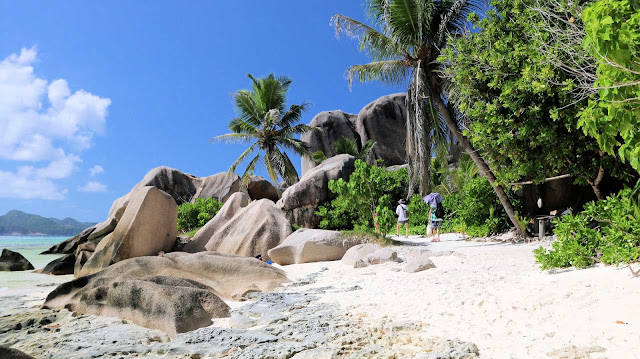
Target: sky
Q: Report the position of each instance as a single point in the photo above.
(94, 94)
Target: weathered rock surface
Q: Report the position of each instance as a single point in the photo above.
(358, 252)
(70, 245)
(260, 188)
(10, 353)
(178, 185)
(233, 205)
(148, 226)
(102, 229)
(252, 231)
(61, 266)
(310, 245)
(383, 122)
(418, 264)
(13, 261)
(382, 256)
(219, 186)
(332, 125)
(299, 201)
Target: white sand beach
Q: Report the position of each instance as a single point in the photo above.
(494, 295)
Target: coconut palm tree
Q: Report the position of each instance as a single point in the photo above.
(404, 42)
(263, 122)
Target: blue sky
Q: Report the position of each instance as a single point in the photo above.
(95, 94)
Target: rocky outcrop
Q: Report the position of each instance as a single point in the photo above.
(260, 188)
(13, 261)
(70, 245)
(61, 266)
(383, 122)
(175, 292)
(332, 125)
(252, 231)
(380, 256)
(147, 227)
(300, 201)
(419, 264)
(235, 203)
(10, 353)
(219, 186)
(310, 245)
(357, 252)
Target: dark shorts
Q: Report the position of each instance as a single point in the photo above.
(436, 224)
(404, 222)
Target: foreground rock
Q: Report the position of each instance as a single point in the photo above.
(174, 293)
(358, 252)
(71, 244)
(252, 231)
(300, 201)
(259, 188)
(147, 227)
(61, 266)
(14, 261)
(10, 353)
(311, 245)
(233, 205)
(419, 264)
(332, 126)
(219, 186)
(384, 122)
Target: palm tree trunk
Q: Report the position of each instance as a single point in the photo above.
(482, 165)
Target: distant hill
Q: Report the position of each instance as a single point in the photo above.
(20, 223)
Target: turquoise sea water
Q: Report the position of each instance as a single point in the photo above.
(30, 247)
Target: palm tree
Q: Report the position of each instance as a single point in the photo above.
(347, 146)
(407, 45)
(263, 122)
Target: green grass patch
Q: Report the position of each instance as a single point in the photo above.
(191, 233)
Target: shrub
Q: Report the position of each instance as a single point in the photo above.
(197, 214)
(607, 231)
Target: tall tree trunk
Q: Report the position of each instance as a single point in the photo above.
(482, 165)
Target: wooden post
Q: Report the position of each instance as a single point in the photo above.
(540, 228)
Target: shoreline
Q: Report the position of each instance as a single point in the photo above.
(486, 294)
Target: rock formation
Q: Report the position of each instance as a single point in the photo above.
(61, 266)
(332, 125)
(300, 201)
(175, 292)
(147, 227)
(360, 251)
(252, 231)
(235, 203)
(259, 188)
(219, 186)
(13, 261)
(310, 245)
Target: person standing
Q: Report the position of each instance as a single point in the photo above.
(403, 217)
(436, 222)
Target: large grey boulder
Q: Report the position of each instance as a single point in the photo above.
(384, 122)
(61, 266)
(11, 353)
(358, 252)
(235, 203)
(178, 185)
(219, 186)
(332, 125)
(259, 188)
(175, 292)
(311, 245)
(300, 201)
(147, 227)
(70, 245)
(252, 231)
(14, 261)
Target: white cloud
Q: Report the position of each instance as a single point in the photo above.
(96, 170)
(93, 186)
(43, 122)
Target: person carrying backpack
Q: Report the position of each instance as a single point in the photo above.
(403, 217)
(436, 215)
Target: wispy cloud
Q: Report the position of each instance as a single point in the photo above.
(43, 122)
(93, 186)
(96, 170)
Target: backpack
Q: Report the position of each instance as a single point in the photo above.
(439, 211)
(405, 211)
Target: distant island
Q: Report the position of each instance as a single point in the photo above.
(16, 223)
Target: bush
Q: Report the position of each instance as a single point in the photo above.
(607, 231)
(197, 214)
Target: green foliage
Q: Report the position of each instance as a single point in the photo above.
(521, 109)
(607, 231)
(264, 122)
(613, 39)
(197, 214)
(369, 190)
(347, 146)
(366, 236)
(24, 223)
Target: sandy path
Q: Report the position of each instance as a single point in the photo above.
(494, 295)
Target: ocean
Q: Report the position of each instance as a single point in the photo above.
(30, 247)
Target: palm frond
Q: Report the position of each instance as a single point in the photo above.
(233, 138)
(454, 17)
(295, 130)
(294, 114)
(246, 107)
(374, 43)
(243, 157)
(249, 170)
(390, 72)
(268, 163)
(296, 146)
(237, 125)
(347, 146)
(283, 166)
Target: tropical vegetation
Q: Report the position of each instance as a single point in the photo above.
(265, 123)
(192, 215)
